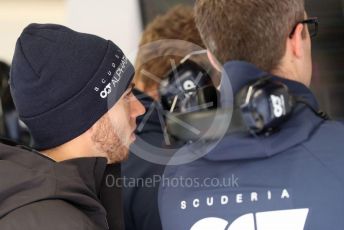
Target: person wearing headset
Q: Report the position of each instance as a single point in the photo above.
(170, 36)
(283, 167)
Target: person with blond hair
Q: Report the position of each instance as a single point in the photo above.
(287, 174)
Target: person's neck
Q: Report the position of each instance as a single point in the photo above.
(287, 73)
(73, 149)
(63, 153)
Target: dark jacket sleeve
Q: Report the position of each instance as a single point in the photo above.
(48, 214)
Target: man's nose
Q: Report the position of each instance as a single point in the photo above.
(137, 109)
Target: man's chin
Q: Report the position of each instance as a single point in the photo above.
(117, 161)
(132, 138)
(120, 155)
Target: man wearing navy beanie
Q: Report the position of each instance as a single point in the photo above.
(73, 91)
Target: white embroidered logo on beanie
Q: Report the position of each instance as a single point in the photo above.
(116, 74)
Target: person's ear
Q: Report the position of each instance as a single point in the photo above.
(214, 62)
(297, 40)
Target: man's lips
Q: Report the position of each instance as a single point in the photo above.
(132, 134)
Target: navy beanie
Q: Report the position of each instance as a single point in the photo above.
(63, 81)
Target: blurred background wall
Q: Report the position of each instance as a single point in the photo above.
(16, 14)
(123, 20)
(119, 21)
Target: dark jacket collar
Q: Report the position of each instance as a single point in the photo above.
(91, 171)
(150, 121)
(35, 177)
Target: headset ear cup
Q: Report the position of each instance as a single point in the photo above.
(264, 105)
(187, 87)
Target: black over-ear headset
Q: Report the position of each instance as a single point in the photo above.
(186, 88)
(260, 108)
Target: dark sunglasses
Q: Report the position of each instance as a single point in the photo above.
(312, 24)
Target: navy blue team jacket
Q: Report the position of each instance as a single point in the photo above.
(293, 179)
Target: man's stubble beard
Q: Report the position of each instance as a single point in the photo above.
(108, 139)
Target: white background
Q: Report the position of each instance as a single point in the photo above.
(117, 20)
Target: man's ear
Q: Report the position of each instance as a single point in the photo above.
(214, 61)
(296, 41)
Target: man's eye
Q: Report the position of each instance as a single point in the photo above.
(128, 95)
